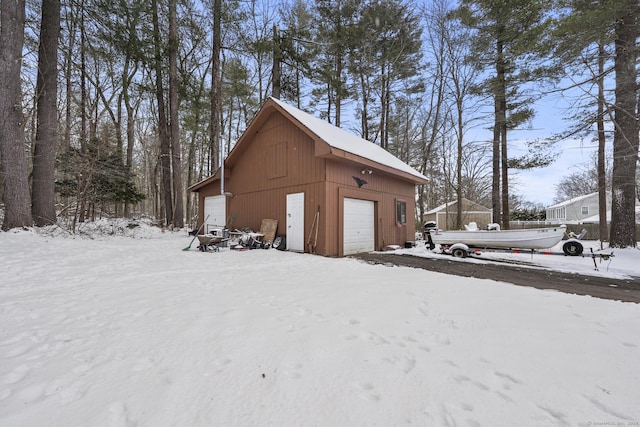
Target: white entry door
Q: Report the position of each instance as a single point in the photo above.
(215, 208)
(295, 222)
(359, 226)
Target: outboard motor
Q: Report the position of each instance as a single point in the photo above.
(429, 226)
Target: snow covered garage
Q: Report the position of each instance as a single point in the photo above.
(333, 193)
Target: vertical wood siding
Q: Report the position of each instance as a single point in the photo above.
(260, 182)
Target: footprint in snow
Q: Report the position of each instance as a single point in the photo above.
(405, 362)
(119, 415)
(423, 308)
(31, 393)
(16, 351)
(368, 392)
(143, 364)
(377, 339)
(17, 374)
(508, 377)
(4, 393)
(74, 391)
(292, 370)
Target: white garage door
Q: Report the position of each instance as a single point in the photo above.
(215, 209)
(359, 226)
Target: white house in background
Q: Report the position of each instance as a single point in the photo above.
(578, 210)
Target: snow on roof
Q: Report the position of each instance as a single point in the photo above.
(346, 141)
(453, 202)
(570, 201)
(441, 207)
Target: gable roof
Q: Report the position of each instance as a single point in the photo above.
(340, 139)
(338, 142)
(468, 206)
(571, 201)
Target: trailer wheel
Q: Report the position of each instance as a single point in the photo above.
(459, 253)
(572, 248)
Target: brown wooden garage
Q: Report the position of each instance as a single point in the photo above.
(293, 167)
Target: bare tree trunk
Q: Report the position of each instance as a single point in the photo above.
(364, 120)
(12, 150)
(215, 86)
(82, 178)
(460, 134)
(602, 181)
(383, 105)
(70, 24)
(625, 140)
(176, 162)
(499, 139)
(165, 149)
(495, 175)
(276, 64)
(504, 160)
(43, 206)
(338, 102)
(130, 128)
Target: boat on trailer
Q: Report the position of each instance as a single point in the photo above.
(460, 242)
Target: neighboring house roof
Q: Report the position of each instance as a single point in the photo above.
(571, 201)
(470, 205)
(337, 142)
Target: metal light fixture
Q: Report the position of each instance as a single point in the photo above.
(359, 181)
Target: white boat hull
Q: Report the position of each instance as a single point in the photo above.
(532, 238)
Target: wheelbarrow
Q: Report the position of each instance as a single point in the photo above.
(212, 241)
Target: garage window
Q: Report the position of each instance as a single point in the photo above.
(401, 212)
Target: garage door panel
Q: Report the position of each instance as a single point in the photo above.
(359, 226)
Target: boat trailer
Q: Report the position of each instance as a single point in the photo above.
(572, 247)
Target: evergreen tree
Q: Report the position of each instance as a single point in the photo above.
(385, 60)
(297, 50)
(335, 24)
(593, 27)
(509, 39)
(96, 175)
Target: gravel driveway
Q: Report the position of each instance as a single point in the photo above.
(627, 290)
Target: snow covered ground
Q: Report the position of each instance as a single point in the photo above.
(133, 331)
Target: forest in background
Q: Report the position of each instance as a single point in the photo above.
(118, 106)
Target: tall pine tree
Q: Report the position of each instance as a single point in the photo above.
(508, 42)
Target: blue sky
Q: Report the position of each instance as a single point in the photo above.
(539, 185)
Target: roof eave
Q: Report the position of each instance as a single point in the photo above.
(198, 185)
(345, 155)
